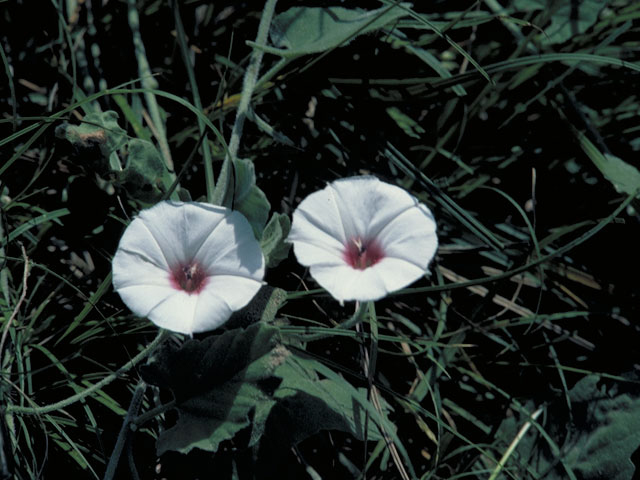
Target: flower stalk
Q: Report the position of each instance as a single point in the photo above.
(248, 85)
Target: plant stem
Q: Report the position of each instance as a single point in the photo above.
(148, 82)
(514, 443)
(85, 393)
(134, 406)
(149, 414)
(25, 276)
(251, 77)
(248, 85)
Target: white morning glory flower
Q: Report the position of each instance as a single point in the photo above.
(362, 238)
(187, 266)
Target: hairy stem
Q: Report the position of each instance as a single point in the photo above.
(85, 393)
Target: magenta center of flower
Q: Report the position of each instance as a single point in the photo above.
(361, 254)
(190, 277)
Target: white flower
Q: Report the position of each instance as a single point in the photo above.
(362, 238)
(187, 266)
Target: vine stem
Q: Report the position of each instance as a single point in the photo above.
(38, 410)
(149, 414)
(251, 77)
(248, 86)
(23, 295)
(370, 359)
(134, 406)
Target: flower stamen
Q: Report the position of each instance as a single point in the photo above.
(362, 254)
(191, 278)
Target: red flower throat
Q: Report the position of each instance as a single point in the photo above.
(361, 254)
(190, 277)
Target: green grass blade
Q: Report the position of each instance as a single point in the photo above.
(149, 82)
(184, 50)
(12, 87)
(455, 45)
(443, 199)
(34, 222)
(539, 261)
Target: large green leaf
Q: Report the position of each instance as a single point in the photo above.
(246, 380)
(305, 30)
(624, 177)
(596, 439)
(310, 404)
(218, 386)
(263, 307)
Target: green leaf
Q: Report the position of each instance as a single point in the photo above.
(246, 380)
(145, 175)
(612, 420)
(604, 431)
(218, 386)
(248, 199)
(569, 18)
(305, 30)
(273, 241)
(263, 307)
(310, 404)
(99, 139)
(97, 130)
(624, 177)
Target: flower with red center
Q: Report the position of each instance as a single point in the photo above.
(362, 238)
(187, 266)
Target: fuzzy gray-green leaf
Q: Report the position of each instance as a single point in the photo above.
(273, 244)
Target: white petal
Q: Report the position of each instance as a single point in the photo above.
(199, 312)
(181, 228)
(138, 241)
(318, 218)
(131, 269)
(396, 273)
(231, 249)
(211, 312)
(410, 236)
(177, 312)
(236, 291)
(149, 300)
(310, 253)
(346, 283)
(222, 296)
(370, 204)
